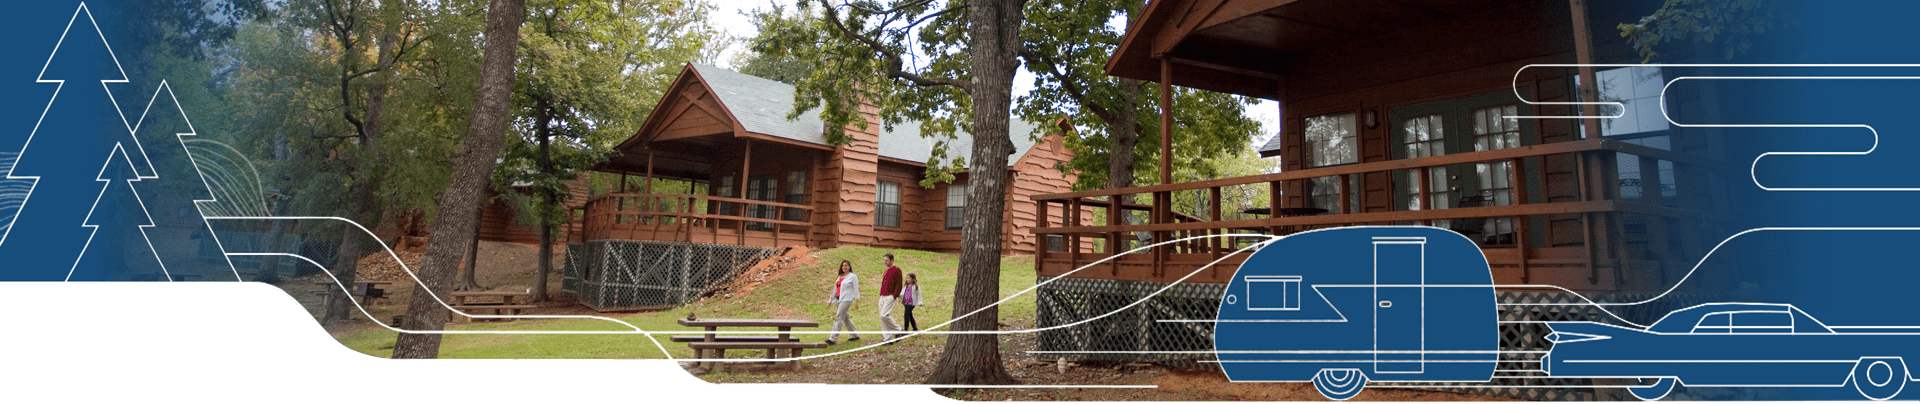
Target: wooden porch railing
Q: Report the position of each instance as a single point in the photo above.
(1598, 206)
(685, 217)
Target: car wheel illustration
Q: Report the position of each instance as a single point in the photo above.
(1879, 378)
(1339, 384)
(1652, 389)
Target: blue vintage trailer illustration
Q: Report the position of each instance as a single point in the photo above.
(1342, 307)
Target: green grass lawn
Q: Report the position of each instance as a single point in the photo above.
(801, 295)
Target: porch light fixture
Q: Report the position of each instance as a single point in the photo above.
(1371, 119)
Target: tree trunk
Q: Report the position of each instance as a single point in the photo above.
(346, 262)
(473, 254)
(453, 225)
(544, 131)
(975, 358)
(1125, 134)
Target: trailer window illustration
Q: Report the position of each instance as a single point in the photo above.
(1273, 293)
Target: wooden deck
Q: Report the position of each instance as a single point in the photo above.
(683, 217)
(1601, 249)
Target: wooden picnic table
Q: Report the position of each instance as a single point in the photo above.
(719, 345)
(509, 303)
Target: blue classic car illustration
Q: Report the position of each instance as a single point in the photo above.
(1736, 345)
(1340, 307)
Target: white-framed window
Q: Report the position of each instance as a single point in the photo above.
(1425, 136)
(1273, 292)
(1495, 128)
(1332, 140)
(956, 206)
(886, 209)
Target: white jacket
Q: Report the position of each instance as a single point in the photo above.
(847, 287)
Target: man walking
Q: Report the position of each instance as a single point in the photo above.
(889, 294)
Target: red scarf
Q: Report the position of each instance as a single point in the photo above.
(836, 287)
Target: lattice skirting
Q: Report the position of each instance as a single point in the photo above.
(1186, 345)
(1181, 345)
(619, 275)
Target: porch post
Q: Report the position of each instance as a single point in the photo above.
(746, 161)
(653, 203)
(1163, 200)
(1583, 53)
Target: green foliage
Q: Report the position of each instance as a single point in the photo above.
(1067, 46)
(1730, 23)
(589, 75)
(849, 73)
(775, 62)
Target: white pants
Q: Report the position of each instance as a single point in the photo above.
(887, 328)
(840, 318)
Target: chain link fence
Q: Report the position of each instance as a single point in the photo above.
(1187, 345)
(1177, 345)
(624, 275)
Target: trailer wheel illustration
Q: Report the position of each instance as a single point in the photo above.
(1879, 378)
(1653, 388)
(1347, 306)
(1339, 384)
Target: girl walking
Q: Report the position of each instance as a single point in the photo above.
(846, 289)
(910, 295)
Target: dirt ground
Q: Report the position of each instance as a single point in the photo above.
(503, 267)
(911, 363)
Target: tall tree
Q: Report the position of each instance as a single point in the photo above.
(590, 74)
(453, 225)
(963, 58)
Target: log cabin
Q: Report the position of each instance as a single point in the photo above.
(768, 181)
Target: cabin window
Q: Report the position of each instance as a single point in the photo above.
(886, 209)
(1425, 136)
(725, 191)
(1332, 140)
(956, 206)
(1325, 192)
(796, 194)
(1495, 128)
(1273, 292)
(761, 189)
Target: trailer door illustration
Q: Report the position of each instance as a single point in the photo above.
(1399, 267)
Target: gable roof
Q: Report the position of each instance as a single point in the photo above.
(761, 106)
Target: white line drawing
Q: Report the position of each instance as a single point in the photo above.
(107, 184)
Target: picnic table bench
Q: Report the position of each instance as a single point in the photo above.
(500, 303)
(719, 344)
(368, 290)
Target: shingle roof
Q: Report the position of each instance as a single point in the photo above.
(761, 105)
(1273, 146)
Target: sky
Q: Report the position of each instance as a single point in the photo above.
(731, 17)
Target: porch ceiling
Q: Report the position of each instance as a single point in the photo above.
(1246, 46)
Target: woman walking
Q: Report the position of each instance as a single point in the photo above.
(846, 289)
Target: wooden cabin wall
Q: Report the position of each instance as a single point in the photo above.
(1036, 173)
(844, 213)
(936, 237)
(913, 217)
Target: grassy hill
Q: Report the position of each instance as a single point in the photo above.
(800, 295)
